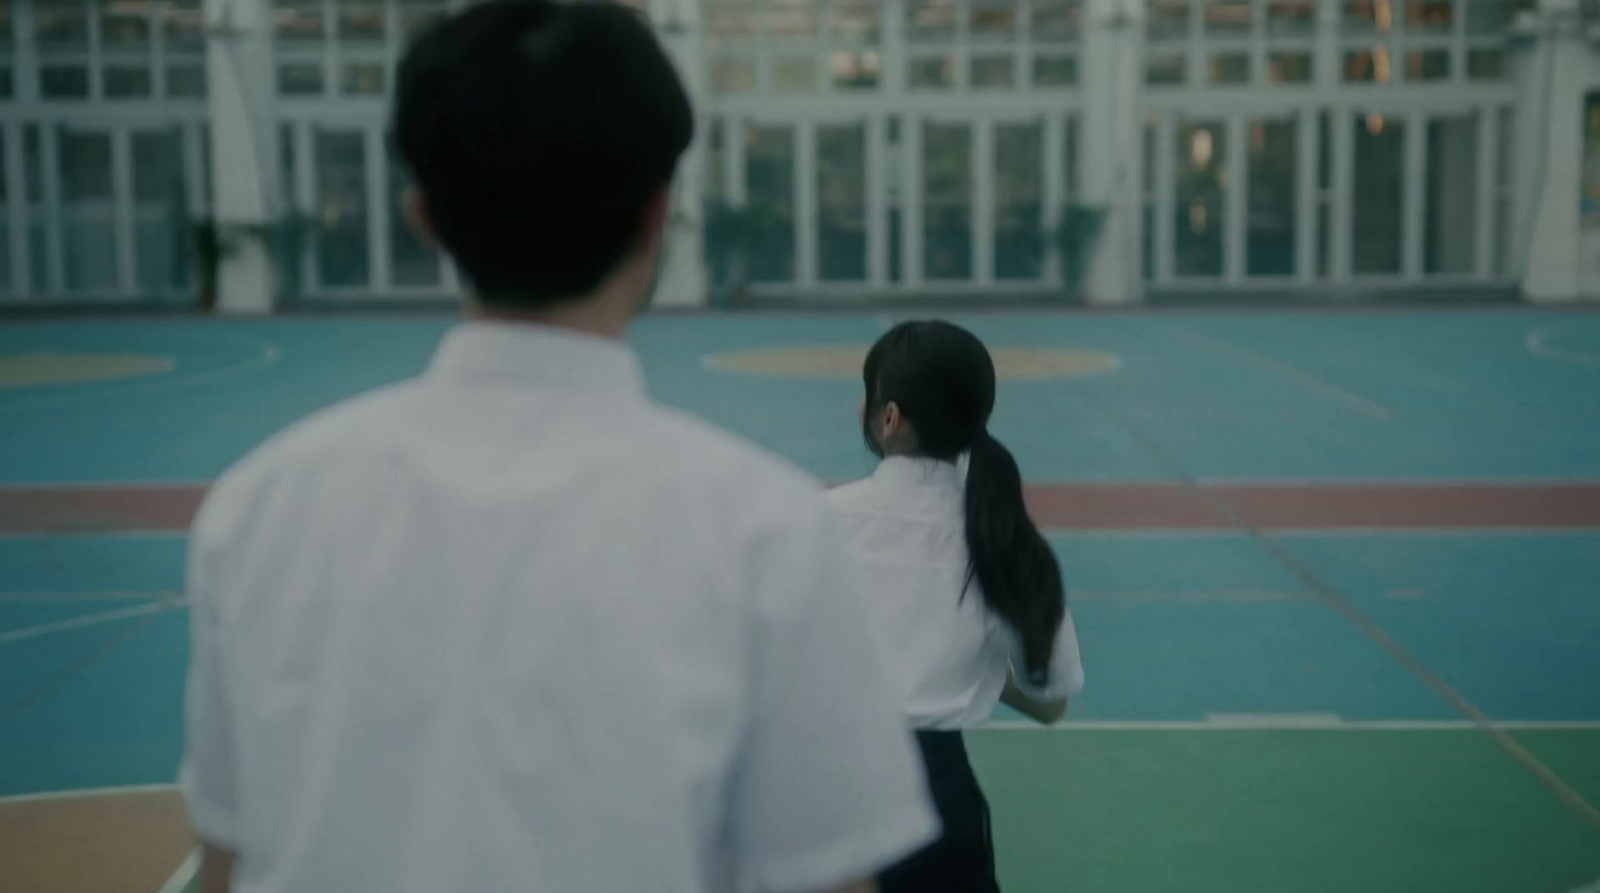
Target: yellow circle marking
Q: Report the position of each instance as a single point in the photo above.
(844, 362)
(33, 369)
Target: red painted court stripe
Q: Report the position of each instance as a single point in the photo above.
(1299, 506)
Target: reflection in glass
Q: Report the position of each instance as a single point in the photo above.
(340, 159)
(1055, 71)
(1229, 68)
(1270, 198)
(1165, 70)
(930, 20)
(1428, 65)
(1019, 238)
(61, 24)
(1450, 209)
(794, 74)
(88, 220)
(415, 263)
(1291, 17)
(1289, 68)
(933, 72)
(991, 72)
(947, 201)
(1166, 19)
(842, 202)
(33, 167)
(1375, 219)
(1228, 17)
(1486, 64)
(733, 75)
(1202, 151)
(124, 26)
(160, 211)
(856, 21)
(1056, 19)
(769, 191)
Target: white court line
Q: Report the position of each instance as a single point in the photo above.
(78, 793)
(181, 878)
(61, 626)
(1536, 343)
(1192, 595)
(1293, 373)
(1290, 722)
(89, 595)
(1530, 481)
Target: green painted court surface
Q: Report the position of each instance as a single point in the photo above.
(1266, 710)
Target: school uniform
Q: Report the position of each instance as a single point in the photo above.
(513, 626)
(948, 655)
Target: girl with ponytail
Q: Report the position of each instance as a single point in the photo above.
(963, 592)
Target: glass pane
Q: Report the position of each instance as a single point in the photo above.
(160, 211)
(298, 20)
(5, 223)
(61, 24)
(894, 193)
(414, 262)
(1367, 66)
(360, 22)
(842, 202)
(1201, 159)
(7, 88)
(930, 20)
(1492, 16)
(855, 71)
(1147, 245)
(415, 16)
(183, 24)
(1428, 65)
(1228, 17)
(1366, 16)
(716, 161)
(1270, 210)
(769, 190)
(38, 242)
(362, 79)
(794, 75)
(732, 21)
(733, 75)
(1375, 218)
(1291, 17)
(792, 19)
(126, 82)
(1019, 238)
(933, 72)
(856, 21)
(1056, 19)
(1165, 70)
(947, 201)
(1324, 151)
(341, 227)
(1429, 16)
(994, 20)
(186, 82)
(1232, 68)
(1166, 19)
(1069, 161)
(1502, 237)
(300, 79)
(1055, 71)
(124, 24)
(1486, 64)
(1289, 68)
(88, 220)
(991, 72)
(1508, 147)
(64, 81)
(1450, 211)
(7, 35)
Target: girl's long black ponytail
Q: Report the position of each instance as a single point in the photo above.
(1010, 559)
(943, 380)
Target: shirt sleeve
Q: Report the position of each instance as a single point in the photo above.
(828, 788)
(1066, 666)
(206, 775)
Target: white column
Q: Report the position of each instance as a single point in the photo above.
(683, 275)
(1562, 260)
(243, 155)
(1112, 83)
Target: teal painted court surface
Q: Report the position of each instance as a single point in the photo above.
(1264, 710)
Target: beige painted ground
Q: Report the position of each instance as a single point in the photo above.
(111, 843)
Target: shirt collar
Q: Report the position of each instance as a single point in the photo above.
(541, 355)
(912, 471)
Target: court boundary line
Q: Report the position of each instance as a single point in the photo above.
(1537, 346)
(1290, 723)
(92, 619)
(1350, 399)
(187, 869)
(68, 596)
(61, 677)
(1346, 609)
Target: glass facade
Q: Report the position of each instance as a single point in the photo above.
(871, 146)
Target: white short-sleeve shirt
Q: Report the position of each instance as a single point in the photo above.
(512, 626)
(948, 654)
